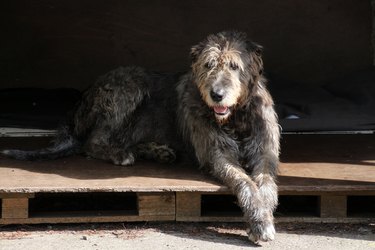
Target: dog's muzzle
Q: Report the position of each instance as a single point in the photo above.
(217, 95)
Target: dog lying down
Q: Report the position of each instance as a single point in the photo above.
(220, 111)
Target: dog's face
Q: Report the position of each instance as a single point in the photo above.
(225, 67)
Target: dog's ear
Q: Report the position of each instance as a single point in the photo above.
(195, 51)
(255, 48)
(256, 53)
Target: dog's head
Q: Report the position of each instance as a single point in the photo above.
(226, 67)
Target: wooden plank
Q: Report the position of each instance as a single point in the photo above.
(347, 165)
(211, 219)
(292, 219)
(151, 207)
(349, 192)
(78, 174)
(188, 205)
(82, 219)
(333, 206)
(332, 209)
(17, 195)
(157, 204)
(189, 208)
(174, 192)
(324, 220)
(15, 208)
(85, 219)
(327, 175)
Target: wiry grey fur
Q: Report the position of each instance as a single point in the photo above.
(221, 110)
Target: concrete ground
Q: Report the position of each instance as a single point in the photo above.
(184, 236)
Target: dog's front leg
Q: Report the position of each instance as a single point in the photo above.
(220, 158)
(262, 159)
(264, 174)
(255, 208)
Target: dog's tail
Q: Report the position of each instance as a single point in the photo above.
(64, 144)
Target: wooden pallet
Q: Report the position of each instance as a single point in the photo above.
(332, 181)
(203, 207)
(146, 207)
(323, 178)
(151, 188)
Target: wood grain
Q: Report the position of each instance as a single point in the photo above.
(333, 206)
(15, 208)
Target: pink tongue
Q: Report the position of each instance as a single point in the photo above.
(220, 110)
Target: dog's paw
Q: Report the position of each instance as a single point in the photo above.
(158, 152)
(124, 159)
(261, 232)
(164, 154)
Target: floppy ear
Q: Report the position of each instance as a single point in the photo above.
(195, 51)
(255, 48)
(256, 52)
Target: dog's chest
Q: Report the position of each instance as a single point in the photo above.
(239, 130)
(239, 126)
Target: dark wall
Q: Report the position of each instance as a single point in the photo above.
(53, 43)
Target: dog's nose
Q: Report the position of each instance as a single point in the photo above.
(217, 96)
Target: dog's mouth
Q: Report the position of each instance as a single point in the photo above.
(221, 110)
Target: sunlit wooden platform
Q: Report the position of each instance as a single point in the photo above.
(322, 178)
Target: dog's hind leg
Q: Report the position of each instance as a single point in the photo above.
(98, 146)
(112, 101)
(105, 115)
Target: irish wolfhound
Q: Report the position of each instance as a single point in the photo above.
(220, 110)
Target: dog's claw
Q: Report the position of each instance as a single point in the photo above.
(254, 239)
(123, 159)
(267, 234)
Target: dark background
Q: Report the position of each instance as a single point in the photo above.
(51, 43)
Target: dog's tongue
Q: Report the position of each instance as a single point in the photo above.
(220, 109)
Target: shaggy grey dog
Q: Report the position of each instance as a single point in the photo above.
(220, 111)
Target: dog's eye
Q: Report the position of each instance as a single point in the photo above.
(233, 66)
(208, 65)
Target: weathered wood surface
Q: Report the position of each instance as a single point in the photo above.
(15, 208)
(328, 167)
(77, 174)
(309, 163)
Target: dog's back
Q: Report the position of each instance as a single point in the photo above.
(126, 106)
